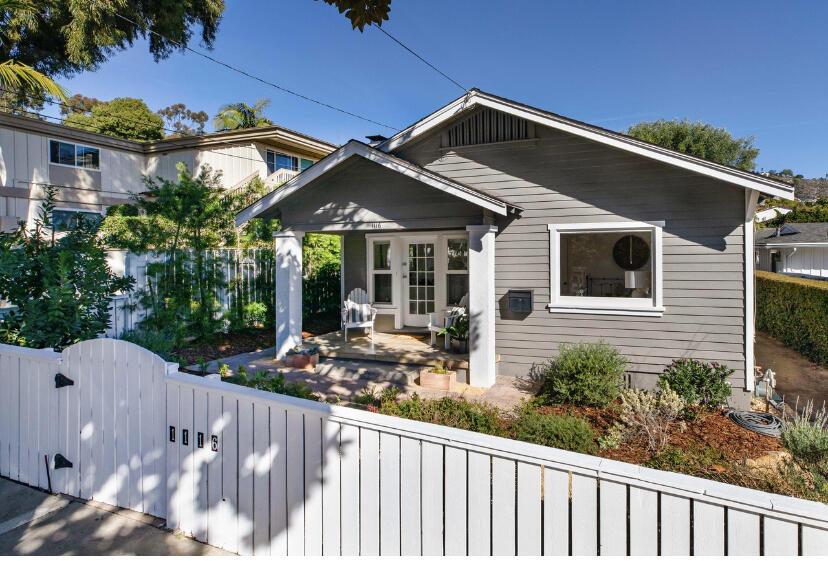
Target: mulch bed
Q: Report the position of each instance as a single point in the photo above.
(708, 429)
(225, 345)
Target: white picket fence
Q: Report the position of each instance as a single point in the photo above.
(255, 472)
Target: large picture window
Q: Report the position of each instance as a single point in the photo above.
(381, 272)
(606, 268)
(75, 155)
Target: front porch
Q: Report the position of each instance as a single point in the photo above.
(415, 242)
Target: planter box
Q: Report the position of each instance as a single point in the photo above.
(435, 381)
(302, 362)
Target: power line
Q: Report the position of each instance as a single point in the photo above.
(257, 78)
(437, 70)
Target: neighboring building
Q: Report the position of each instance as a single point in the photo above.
(560, 231)
(771, 213)
(798, 249)
(95, 171)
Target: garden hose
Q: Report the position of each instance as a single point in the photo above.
(762, 423)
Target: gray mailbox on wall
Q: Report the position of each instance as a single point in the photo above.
(520, 301)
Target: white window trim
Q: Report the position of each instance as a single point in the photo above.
(653, 307)
(390, 272)
(75, 144)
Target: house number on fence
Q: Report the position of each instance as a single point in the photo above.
(185, 439)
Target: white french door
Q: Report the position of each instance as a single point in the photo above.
(419, 277)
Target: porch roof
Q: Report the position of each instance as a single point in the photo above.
(354, 148)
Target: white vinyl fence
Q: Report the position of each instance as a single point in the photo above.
(255, 472)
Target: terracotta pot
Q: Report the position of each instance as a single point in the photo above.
(437, 381)
(303, 362)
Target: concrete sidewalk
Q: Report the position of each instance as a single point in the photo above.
(33, 522)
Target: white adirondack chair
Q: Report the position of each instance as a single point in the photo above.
(437, 321)
(357, 312)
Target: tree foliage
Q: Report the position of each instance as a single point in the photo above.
(363, 12)
(61, 287)
(698, 139)
(79, 103)
(184, 121)
(124, 117)
(240, 115)
(64, 37)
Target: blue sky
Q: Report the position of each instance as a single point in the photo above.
(755, 67)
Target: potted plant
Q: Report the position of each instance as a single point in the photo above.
(438, 378)
(305, 359)
(458, 333)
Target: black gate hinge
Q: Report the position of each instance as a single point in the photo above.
(62, 381)
(61, 462)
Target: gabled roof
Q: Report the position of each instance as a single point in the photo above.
(795, 234)
(354, 148)
(476, 98)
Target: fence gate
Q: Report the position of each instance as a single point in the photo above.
(110, 421)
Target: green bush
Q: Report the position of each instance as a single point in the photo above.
(806, 435)
(699, 383)
(565, 432)
(159, 342)
(584, 374)
(275, 384)
(255, 314)
(451, 412)
(795, 312)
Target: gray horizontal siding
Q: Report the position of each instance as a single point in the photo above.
(362, 194)
(563, 179)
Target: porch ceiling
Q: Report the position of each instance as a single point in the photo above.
(345, 156)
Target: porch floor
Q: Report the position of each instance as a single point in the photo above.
(408, 347)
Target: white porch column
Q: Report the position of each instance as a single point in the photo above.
(288, 281)
(482, 366)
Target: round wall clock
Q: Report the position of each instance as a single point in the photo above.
(631, 252)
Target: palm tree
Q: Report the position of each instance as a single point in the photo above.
(239, 115)
(21, 77)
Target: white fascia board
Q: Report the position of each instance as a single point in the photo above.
(354, 148)
(641, 148)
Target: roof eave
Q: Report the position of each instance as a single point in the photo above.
(617, 140)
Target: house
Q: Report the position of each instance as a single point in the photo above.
(560, 232)
(798, 249)
(95, 171)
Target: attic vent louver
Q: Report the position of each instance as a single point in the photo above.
(487, 126)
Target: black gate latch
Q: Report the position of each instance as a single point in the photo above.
(61, 462)
(62, 381)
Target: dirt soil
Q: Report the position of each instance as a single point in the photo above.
(709, 429)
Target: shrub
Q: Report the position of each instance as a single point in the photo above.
(61, 286)
(584, 374)
(275, 384)
(699, 383)
(557, 431)
(451, 412)
(159, 342)
(650, 414)
(806, 435)
(255, 314)
(795, 312)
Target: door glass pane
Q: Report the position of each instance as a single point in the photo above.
(457, 287)
(382, 288)
(458, 255)
(382, 256)
(421, 278)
